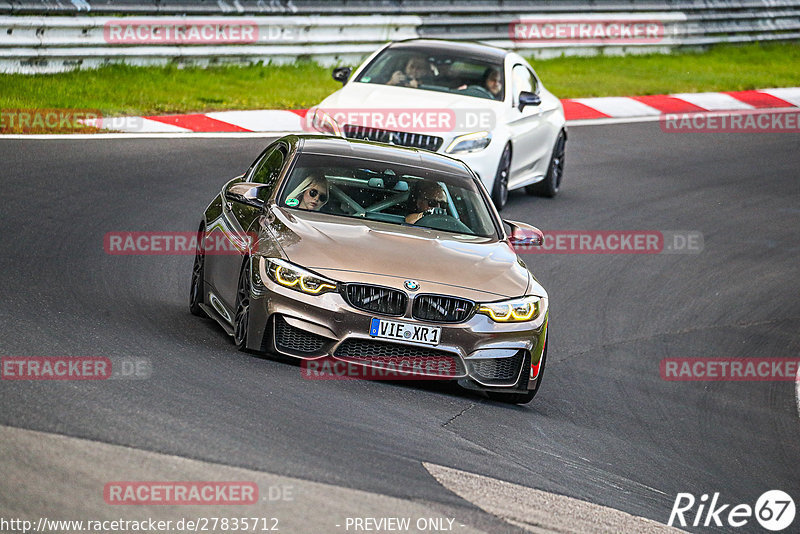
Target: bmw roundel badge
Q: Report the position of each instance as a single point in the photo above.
(411, 285)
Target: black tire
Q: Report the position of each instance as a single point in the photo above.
(523, 398)
(555, 171)
(197, 290)
(241, 320)
(500, 188)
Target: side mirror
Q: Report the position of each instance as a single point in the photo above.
(527, 98)
(524, 235)
(342, 74)
(245, 193)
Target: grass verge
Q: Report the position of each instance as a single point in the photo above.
(125, 90)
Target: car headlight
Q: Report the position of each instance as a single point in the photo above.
(469, 143)
(323, 122)
(516, 310)
(288, 275)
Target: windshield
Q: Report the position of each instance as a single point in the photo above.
(431, 70)
(387, 192)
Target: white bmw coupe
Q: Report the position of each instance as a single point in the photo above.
(480, 104)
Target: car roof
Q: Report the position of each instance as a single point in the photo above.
(356, 148)
(476, 50)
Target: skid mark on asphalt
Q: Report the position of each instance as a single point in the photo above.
(584, 469)
(539, 511)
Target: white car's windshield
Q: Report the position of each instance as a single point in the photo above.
(387, 192)
(432, 70)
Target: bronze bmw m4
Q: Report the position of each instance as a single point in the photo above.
(379, 256)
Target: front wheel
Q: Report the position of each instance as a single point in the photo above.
(241, 321)
(555, 172)
(198, 289)
(500, 188)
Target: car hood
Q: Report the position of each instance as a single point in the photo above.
(376, 97)
(350, 250)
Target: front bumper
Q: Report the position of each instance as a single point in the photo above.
(478, 353)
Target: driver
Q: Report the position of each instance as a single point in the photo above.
(311, 194)
(430, 199)
(492, 82)
(416, 71)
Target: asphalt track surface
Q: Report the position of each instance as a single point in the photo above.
(605, 428)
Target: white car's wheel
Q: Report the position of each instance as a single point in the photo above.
(555, 171)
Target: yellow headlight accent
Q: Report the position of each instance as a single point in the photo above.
(503, 312)
(492, 311)
(525, 312)
(288, 277)
(283, 281)
(314, 290)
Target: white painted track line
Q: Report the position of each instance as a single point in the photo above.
(612, 120)
(540, 511)
(65, 476)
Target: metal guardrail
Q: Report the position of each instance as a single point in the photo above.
(693, 27)
(371, 7)
(55, 35)
(57, 43)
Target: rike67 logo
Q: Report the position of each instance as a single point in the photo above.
(774, 510)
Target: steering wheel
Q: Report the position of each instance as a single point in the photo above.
(438, 219)
(482, 90)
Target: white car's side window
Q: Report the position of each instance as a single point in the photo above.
(521, 79)
(534, 82)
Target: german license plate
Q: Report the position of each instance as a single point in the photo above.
(416, 333)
